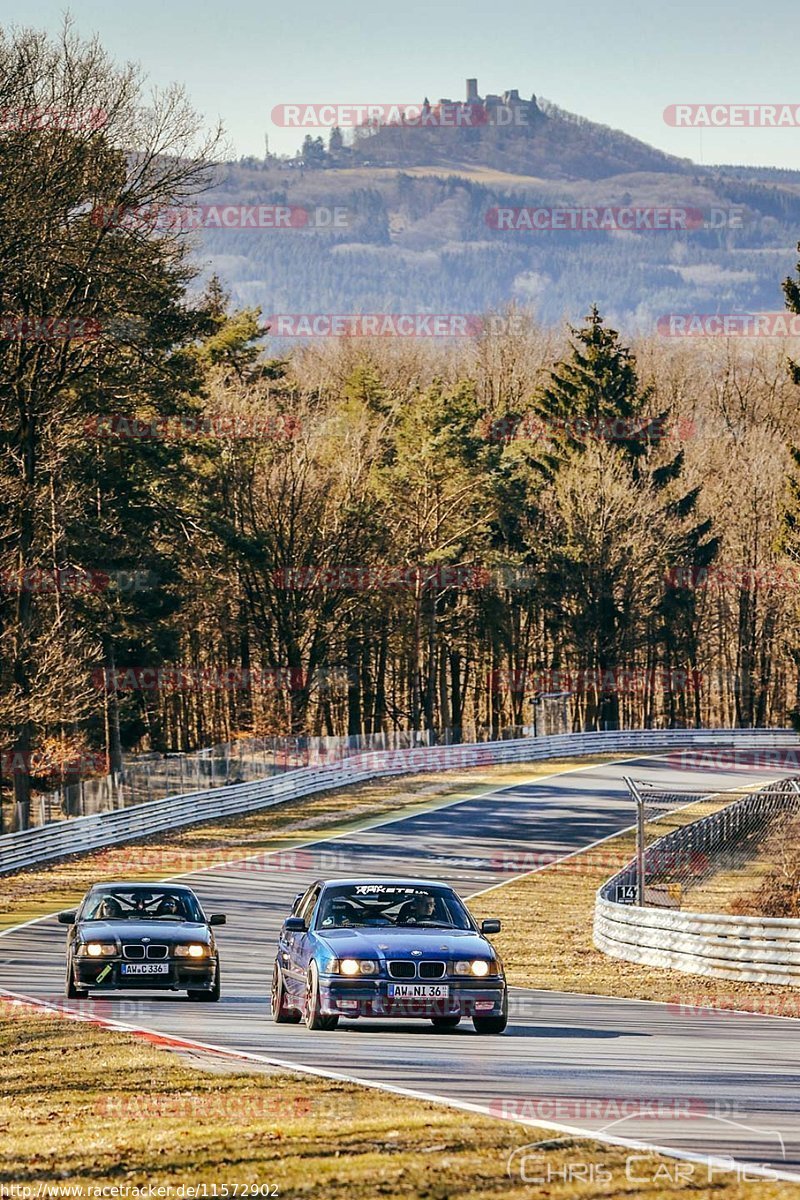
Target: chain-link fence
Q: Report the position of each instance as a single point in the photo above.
(725, 839)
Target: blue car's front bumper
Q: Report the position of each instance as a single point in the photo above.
(371, 998)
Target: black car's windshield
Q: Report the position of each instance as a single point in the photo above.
(388, 904)
(160, 904)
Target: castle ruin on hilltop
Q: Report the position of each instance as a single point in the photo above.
(506, 109)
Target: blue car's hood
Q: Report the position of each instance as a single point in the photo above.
(398, 943)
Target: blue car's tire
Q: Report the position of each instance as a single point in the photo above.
(282, 1012)
(313, 1014)
(493, 1024)
(446, 1022)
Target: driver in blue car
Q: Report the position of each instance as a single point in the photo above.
(421, 908)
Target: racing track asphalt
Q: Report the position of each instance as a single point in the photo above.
(694, 1084)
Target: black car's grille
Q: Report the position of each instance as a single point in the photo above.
(402, 969)
(135, 951)
(399, 969)
(431, 970)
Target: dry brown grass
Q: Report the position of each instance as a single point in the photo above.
(767, 883)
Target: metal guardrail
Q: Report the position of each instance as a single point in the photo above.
(80, 834)
(748, 949)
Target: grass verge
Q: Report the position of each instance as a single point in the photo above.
(103, 1109)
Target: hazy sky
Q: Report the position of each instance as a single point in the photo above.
(620, 62)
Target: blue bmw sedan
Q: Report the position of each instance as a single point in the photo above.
(387, 948)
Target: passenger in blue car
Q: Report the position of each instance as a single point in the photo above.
(340, 914)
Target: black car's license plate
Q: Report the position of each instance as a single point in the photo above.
(145, 968)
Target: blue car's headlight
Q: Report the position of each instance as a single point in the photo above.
(357, 966)
(478, 967)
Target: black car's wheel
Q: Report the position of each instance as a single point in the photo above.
(71, 991)
(314, 1016)
(282, 1012)
(493, 1024)
(209, 995)
(445, 1022)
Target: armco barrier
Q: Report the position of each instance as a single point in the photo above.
(80, 834)
(748, 949)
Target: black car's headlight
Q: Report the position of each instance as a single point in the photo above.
(479, 967)
(355, 966)
(96, 949)
(192, 950)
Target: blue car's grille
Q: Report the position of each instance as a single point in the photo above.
(400, 968)
(431, 970)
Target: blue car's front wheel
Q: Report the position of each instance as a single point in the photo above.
(446, 1022)
(493, 1024)
(282, 1012)
(315, 1018)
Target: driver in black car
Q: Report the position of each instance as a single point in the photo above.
(421, 908)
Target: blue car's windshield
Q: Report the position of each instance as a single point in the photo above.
(381, 905)
(160, 904)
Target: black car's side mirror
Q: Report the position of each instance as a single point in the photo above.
(294, 925)
(218, 919)
(490, 925)
(67, 917)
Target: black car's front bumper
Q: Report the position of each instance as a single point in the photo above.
(106, 974)
(371, 998)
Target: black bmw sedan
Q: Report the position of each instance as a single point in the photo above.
(130, 935)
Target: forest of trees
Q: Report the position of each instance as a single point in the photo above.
(201, 541)
(426, 241)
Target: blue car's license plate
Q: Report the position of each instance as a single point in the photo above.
(419, 991)
(145, 968)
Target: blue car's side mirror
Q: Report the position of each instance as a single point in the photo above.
(490, 925)
(68, 917)
(217, 919)
(294, 925)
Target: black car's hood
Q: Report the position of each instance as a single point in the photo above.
(133, 931)
(398, 943)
